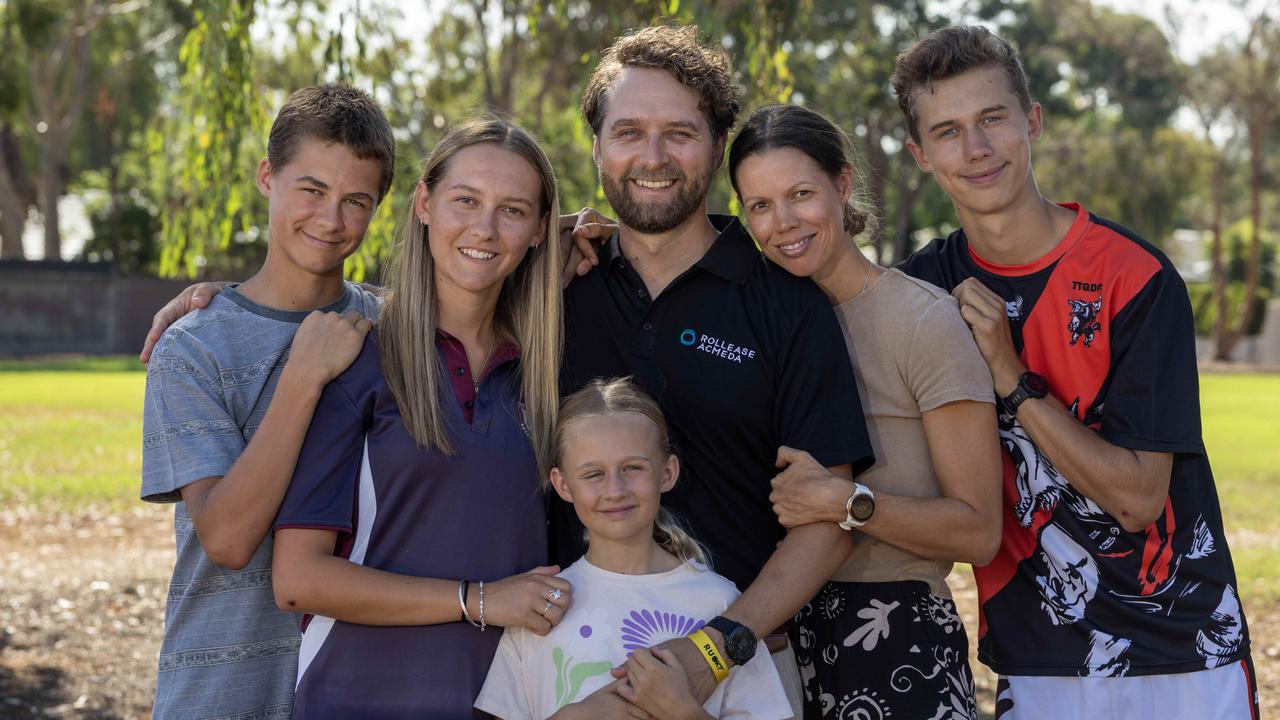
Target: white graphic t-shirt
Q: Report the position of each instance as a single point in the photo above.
(612, 614)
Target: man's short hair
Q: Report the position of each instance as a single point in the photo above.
(704, 68)
(334, 114)
(949, 52)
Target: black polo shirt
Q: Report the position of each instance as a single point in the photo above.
(743, 358)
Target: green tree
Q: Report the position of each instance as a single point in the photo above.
(1109, 83)
(1255, 92)
(527, 59)
(1141, 178)
(1236, 96)
(70, 61)
(842, 61)
(50, 44)
(205, 137)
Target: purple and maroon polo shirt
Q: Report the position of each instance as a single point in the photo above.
(397, 507)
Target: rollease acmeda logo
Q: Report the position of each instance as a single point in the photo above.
(715, 346)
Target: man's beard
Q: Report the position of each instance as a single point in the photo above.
(651, 217)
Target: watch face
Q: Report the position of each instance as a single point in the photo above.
(1036, 384)
(740, 645)
(862, 508)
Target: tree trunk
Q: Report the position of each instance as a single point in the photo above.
(50, 191)
(1259, 112)
(1219, 272)
(508, 63)
(910, 181)
(481, 7)
(13, 211)
(1248, 305)
(59, 107)
(877, 165)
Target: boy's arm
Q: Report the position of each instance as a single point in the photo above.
(1131, 485)
(232, 513)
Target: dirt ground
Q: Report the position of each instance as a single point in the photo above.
(82, 612)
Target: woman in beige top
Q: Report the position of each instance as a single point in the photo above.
(883, 635)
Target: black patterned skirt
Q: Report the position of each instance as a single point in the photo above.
(883, 650)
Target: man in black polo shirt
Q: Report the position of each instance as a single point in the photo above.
(742, 357)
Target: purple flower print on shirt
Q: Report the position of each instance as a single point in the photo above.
(646, 628)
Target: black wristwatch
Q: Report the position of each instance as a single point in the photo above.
(1030, 385)
(739, 641)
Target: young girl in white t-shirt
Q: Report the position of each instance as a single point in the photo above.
(643, 581)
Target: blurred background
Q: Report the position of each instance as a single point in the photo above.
(130, 131)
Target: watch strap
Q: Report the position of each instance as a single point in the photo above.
(1020, 393)
(731, 631)
(1011, 401)
(725, 625)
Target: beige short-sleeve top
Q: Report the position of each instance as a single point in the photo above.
(911, 353)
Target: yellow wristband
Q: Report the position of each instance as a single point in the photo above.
(708, 649)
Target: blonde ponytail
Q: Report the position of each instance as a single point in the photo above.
(670, 533)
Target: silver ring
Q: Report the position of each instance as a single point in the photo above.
(545, 609)
(555, 595)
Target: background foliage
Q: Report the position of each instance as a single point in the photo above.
(157, 112)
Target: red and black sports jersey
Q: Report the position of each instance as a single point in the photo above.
(1105, 319)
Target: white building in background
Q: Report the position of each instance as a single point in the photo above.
(1189, 251)
(73, 219)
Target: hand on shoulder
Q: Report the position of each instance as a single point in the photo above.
(192, 298)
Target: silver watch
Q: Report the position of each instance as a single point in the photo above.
(859, 508)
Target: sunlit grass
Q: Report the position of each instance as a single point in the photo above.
(70, 438)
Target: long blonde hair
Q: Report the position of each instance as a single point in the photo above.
(528, 311)
(600, 398)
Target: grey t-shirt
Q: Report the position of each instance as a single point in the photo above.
(228, 652)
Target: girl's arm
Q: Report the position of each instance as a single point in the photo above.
(961, 525)
(309, 578)
(603, 704)
(658, 684)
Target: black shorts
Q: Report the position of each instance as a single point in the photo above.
(883, 650)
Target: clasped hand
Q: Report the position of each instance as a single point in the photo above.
(806, 492)
(987, 316)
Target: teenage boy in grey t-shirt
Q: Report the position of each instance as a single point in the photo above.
(230, 394)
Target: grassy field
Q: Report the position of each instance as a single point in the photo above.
(70, 435)
(1241, 416)
(71, 431)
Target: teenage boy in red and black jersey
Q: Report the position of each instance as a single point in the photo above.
(1113, 594)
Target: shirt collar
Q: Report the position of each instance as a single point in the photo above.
(505, 352)
(731, 256)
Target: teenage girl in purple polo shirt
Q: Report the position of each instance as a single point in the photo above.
(414, 529)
